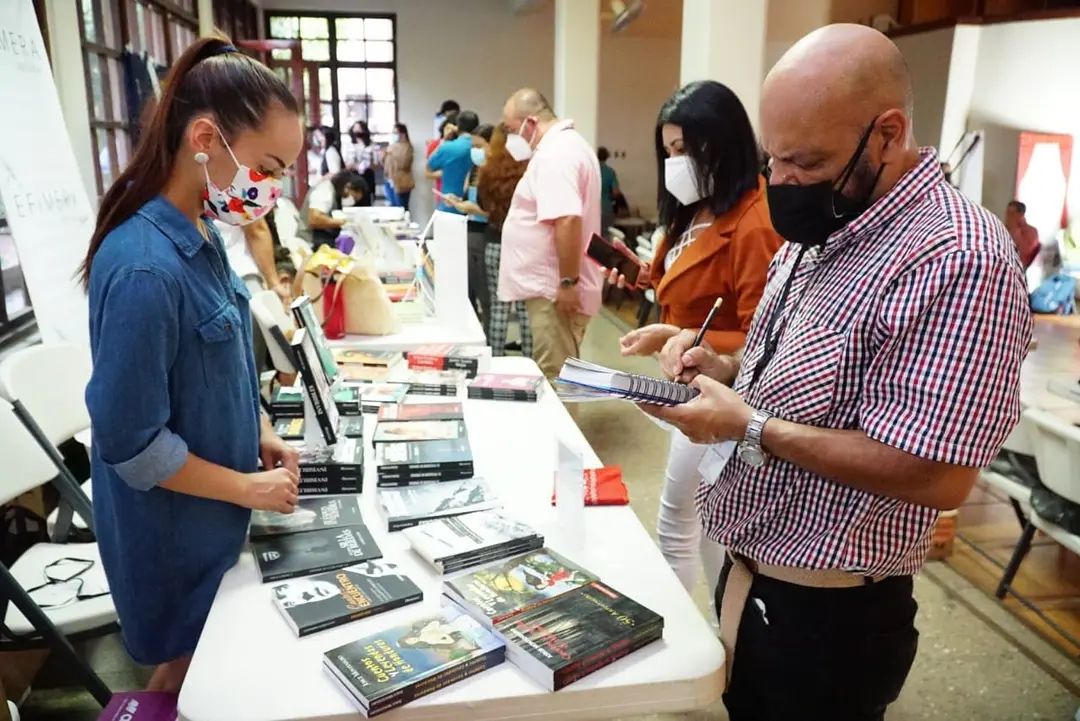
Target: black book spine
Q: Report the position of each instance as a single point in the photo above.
(287, 410)
(498, 394)
(321, 486)
(606, 656)
(398, 479)
(307, 376)
(444, 678)
(286, 575)
(471, 366)
(370, 611)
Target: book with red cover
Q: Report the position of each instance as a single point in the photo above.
(421, 412)
(503, 387)
(603, 487)
(446, 357)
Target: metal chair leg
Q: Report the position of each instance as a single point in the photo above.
(1022, 547)
(56, 640)
(1019, 511)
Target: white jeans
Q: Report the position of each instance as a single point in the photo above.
(677, 525)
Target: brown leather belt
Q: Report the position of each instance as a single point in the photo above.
(737, 590)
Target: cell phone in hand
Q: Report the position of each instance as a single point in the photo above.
(609, 255)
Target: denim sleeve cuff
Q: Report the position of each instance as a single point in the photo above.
(158, 462)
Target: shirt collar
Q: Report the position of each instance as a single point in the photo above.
(914, 184)
(175, 225)
(564, 124)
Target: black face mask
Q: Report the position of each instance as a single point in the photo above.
(809, 214)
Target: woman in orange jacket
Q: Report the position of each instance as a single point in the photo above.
(718, 242)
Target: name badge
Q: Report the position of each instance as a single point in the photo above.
(713, 462)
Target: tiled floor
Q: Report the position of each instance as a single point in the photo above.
(976, 661)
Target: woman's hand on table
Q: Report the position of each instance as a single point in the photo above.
(273, 490)
(275, 452)
(647, 340)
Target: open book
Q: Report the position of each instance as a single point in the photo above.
(582, 381)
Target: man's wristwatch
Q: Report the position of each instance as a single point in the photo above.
(568, 282)
(750, 451)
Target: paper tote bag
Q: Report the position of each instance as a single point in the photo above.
(368, 310)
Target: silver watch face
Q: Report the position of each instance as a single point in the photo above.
(751, 455)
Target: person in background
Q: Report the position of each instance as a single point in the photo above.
(397, 167)
(447, 131)
(447, 109)
(1025, 237)
(880, 375)
(317, 224)
(364, 157)
(553, 214)
(609, 190)
(174, 395)
(718, 241)
(453, 158)
(329, 146)
(479, 294)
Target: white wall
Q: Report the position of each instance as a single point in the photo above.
(474, 51)
(1026, 79)
(927, 56)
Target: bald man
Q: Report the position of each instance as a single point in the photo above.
(880, 374)
(553, 215)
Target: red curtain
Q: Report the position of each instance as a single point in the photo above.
(1028, 141)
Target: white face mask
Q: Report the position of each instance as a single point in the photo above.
(680, 179)
(519, 148)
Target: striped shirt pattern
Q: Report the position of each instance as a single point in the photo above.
(910, 324)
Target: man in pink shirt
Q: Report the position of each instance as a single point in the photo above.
(1025, 237)
(553, 214)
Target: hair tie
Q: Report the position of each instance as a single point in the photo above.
(227, 48)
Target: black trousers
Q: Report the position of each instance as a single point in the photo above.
(836, 654)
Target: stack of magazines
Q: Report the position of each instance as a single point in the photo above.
(582, 381)
(452, 544)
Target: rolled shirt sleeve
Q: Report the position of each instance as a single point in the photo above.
(128, 393)
(945, 384)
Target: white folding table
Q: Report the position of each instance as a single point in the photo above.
(466, 330)
(249, 666)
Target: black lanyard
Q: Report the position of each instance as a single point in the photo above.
(772, 337)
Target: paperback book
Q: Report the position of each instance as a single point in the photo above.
(332, 470)
(577, 633)
(403, 663)
(582, 381)
(374, 396)
(429, 382)
(327, 600)
(421, 412)
(310, 514)
(446, 357)
(301, 554)
(412, 505)
(403, 431)
(400, 464)
(289, 402)
(315, 385)
(371, 359)
(292, 429)
(306, 319)
(503, 387)
(451, 544)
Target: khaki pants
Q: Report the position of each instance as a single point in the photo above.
(556, 337)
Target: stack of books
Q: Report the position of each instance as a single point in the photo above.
(359, 365)
(428, 443)
(311, 514)
(413, 505)
(307, 552)
(503, 387)
(289, 402)
(452, 544)
(292, 429)
(429, 383)
(447, 357)
(403, 663)
(374, 396)
(559, 622)
(422, 412)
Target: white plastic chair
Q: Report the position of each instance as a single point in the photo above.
(1057, 452)
(49, 381)
(27, 465)
(276, 326)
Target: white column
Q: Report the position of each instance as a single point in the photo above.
(724, 40)
(206, 17)
(69, 75)
(577, 63)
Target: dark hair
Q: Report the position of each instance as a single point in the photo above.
(449, 106)
(364, 136)
(485, 131)
(602, 154)
(718, 138)
(402, 130)
(344, 179)
(467, 121)
(209, 77)
(330, 135)
(450, 119)
(1020, 208)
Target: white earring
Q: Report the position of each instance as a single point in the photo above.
(202, 158)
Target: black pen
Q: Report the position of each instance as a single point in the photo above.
(708, 321)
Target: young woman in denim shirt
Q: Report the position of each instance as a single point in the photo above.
(174, 397)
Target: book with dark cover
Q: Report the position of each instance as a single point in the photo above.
(446, 357)
(304, 313)
(405, 507)
(374, 396)
(301, 554)
(400, 664)
(334, 470)
(429, 382)
(404, 431)
(310, 514)
(422, 412)
(292, 429)
(577, 633)
(402, 463)
(315, 386)
(289, 402)
(504, 589)
(471, 539)
(503, 387)
(335, 598)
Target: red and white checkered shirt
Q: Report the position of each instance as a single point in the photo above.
(910, 324)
